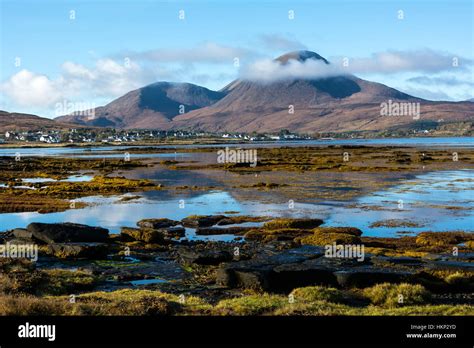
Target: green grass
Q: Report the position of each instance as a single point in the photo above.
(315, 301)
(396, 295)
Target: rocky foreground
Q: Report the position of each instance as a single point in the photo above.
(273, 266)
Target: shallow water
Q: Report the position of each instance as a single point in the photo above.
(147, 281)
(72, 178)
(424, 200)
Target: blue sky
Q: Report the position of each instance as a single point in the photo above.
(111, 47)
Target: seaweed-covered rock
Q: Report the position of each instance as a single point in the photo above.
(146, 235)
(93, 251)
(240, 219)
(292, 223)
(323, 238)
(157, 223)
(284, 234)
(207, 231)
(353, 231)
(173, 232)
(443, 238)
(149, 235)
(195, 221)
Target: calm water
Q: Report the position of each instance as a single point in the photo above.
(97, 151)
(438, 201)
(423, 199)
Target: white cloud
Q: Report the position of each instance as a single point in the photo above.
(77, 70)
(26, 88)
(267, 70)
(388, 62)
(107, 78)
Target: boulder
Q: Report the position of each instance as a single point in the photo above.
(67, 233)
(92, 251)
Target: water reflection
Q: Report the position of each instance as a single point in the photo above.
(440, 201)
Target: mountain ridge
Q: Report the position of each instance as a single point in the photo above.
(341, 102)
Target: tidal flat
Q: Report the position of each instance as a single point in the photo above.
(170, 231)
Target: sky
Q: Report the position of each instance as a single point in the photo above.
(58, 55)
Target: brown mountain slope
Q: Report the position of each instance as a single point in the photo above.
(265, 108)
(152, 106)
(13, 121)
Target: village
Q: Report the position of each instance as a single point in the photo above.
(74, 136)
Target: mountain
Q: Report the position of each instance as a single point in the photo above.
(12, 121)
(338, 103)
(152, 106)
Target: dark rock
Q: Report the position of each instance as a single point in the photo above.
(201, 220)
(22, 233)
(91, 251)
(67, 232)
(401, 260)
(205, 257)
(305, 266)
(459, 265)
(365, 276)
(279, 272)
(20, 241)
(157, 223)
(287, 277)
